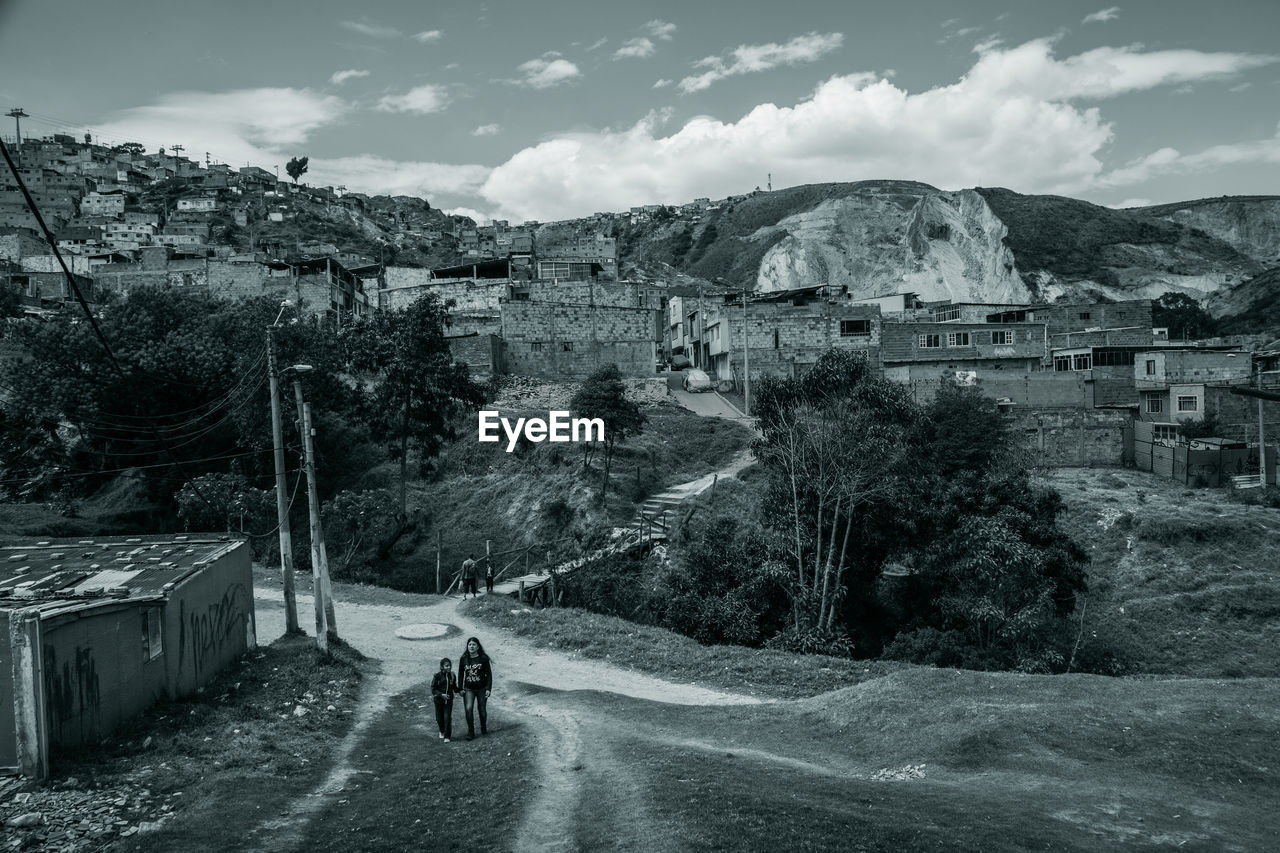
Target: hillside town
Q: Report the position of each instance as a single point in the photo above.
(1090, 383)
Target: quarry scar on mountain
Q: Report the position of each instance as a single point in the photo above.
(557, 427)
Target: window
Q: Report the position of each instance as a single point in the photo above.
(945, 313)
(1002, 337)
(1155, 404)
(1188, 404)
(1151, 367)
(957, 339)
(152, 634)
(536, 346)
(1085, 315)
(567, 346)
(775, 339)
(1164, 432)
(849, 328)
(1083, 361)
(930, 341)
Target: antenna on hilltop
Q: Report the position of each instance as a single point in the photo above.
(769, 183)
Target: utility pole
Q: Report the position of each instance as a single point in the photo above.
(1262, 448)
(18, 114)
(282, 506)
(326, 626)
(746, 358)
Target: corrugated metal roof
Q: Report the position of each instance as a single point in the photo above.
(67, 570)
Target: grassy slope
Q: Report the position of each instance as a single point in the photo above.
(1076, 240)
(1184, 581)
(485, 493)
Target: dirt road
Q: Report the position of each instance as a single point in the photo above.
(528, 682)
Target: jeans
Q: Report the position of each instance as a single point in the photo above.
(444, 715)
(477, 699)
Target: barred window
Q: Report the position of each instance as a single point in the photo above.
(957, 339)
(930, 341)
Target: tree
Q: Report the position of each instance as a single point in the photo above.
(417, 389)
(297, 167)
(603, 395)
(135, 148)
(1183, 316)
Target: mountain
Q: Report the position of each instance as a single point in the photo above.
(975, 245)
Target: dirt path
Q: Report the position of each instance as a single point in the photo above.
(570, 762)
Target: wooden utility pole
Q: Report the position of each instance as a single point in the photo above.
(438, 535)
(282, 504)
(1262, 448)
(18, 114)
(322, 589)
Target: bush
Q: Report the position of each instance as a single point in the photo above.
(812, 641)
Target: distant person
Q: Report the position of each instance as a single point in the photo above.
(444, 684)
(488, 575)
(476, 678)
(469, 575)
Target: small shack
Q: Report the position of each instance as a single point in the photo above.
(97, 630)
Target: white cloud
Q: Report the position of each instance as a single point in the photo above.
(487, 130)
(428, 98)
(597, 44)
(373, 30)
(341, 77)
(636, 48)
(546, 72)
(660, 29)
(1102, 15)
(662, 84)
(746, 58)
(1132, 202)
(427, 36)
(375, 175)
(480, 218)
(1012, 120)
(245, 125)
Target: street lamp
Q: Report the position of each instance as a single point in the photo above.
(282, 506)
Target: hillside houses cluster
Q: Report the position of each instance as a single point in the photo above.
(549, 300)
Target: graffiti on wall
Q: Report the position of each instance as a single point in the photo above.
(205, 633)
(72, 691)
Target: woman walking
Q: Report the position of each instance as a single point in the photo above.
(476, 677)
(443, 685)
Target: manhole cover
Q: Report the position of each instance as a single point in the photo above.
(426, 631)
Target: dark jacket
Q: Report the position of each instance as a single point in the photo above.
(443, 685)
(474, 672)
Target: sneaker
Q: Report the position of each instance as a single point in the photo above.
(446, 740)
(442, 735)
(471, 737)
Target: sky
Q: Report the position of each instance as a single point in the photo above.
(558, 109)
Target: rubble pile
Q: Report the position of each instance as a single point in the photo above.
(69, 817)
(902, 774)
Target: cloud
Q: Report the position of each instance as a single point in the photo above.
(341, 77)
(746, 59)
(1102, 15)
(1131, 202)
(1014, 119)
(662, 84)
(373, 30)
(546, 72)
(660, 29)
(375, 175)
(487, 130)
(428, 98)
(239, 126)
(597, 44)
(636, 48)
(427, 36)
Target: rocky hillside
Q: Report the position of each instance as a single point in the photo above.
(984, 244)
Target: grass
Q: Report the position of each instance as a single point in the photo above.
(1182, 582)
(230, 756)
(411, 791)
(673, 656)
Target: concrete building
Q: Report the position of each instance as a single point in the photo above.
(1172, 383)
(98, 630)
(102, 204)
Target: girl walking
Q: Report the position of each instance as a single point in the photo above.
(443, 685)
(476, 676)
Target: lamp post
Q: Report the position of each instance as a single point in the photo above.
(282, 505)
(326, 625)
